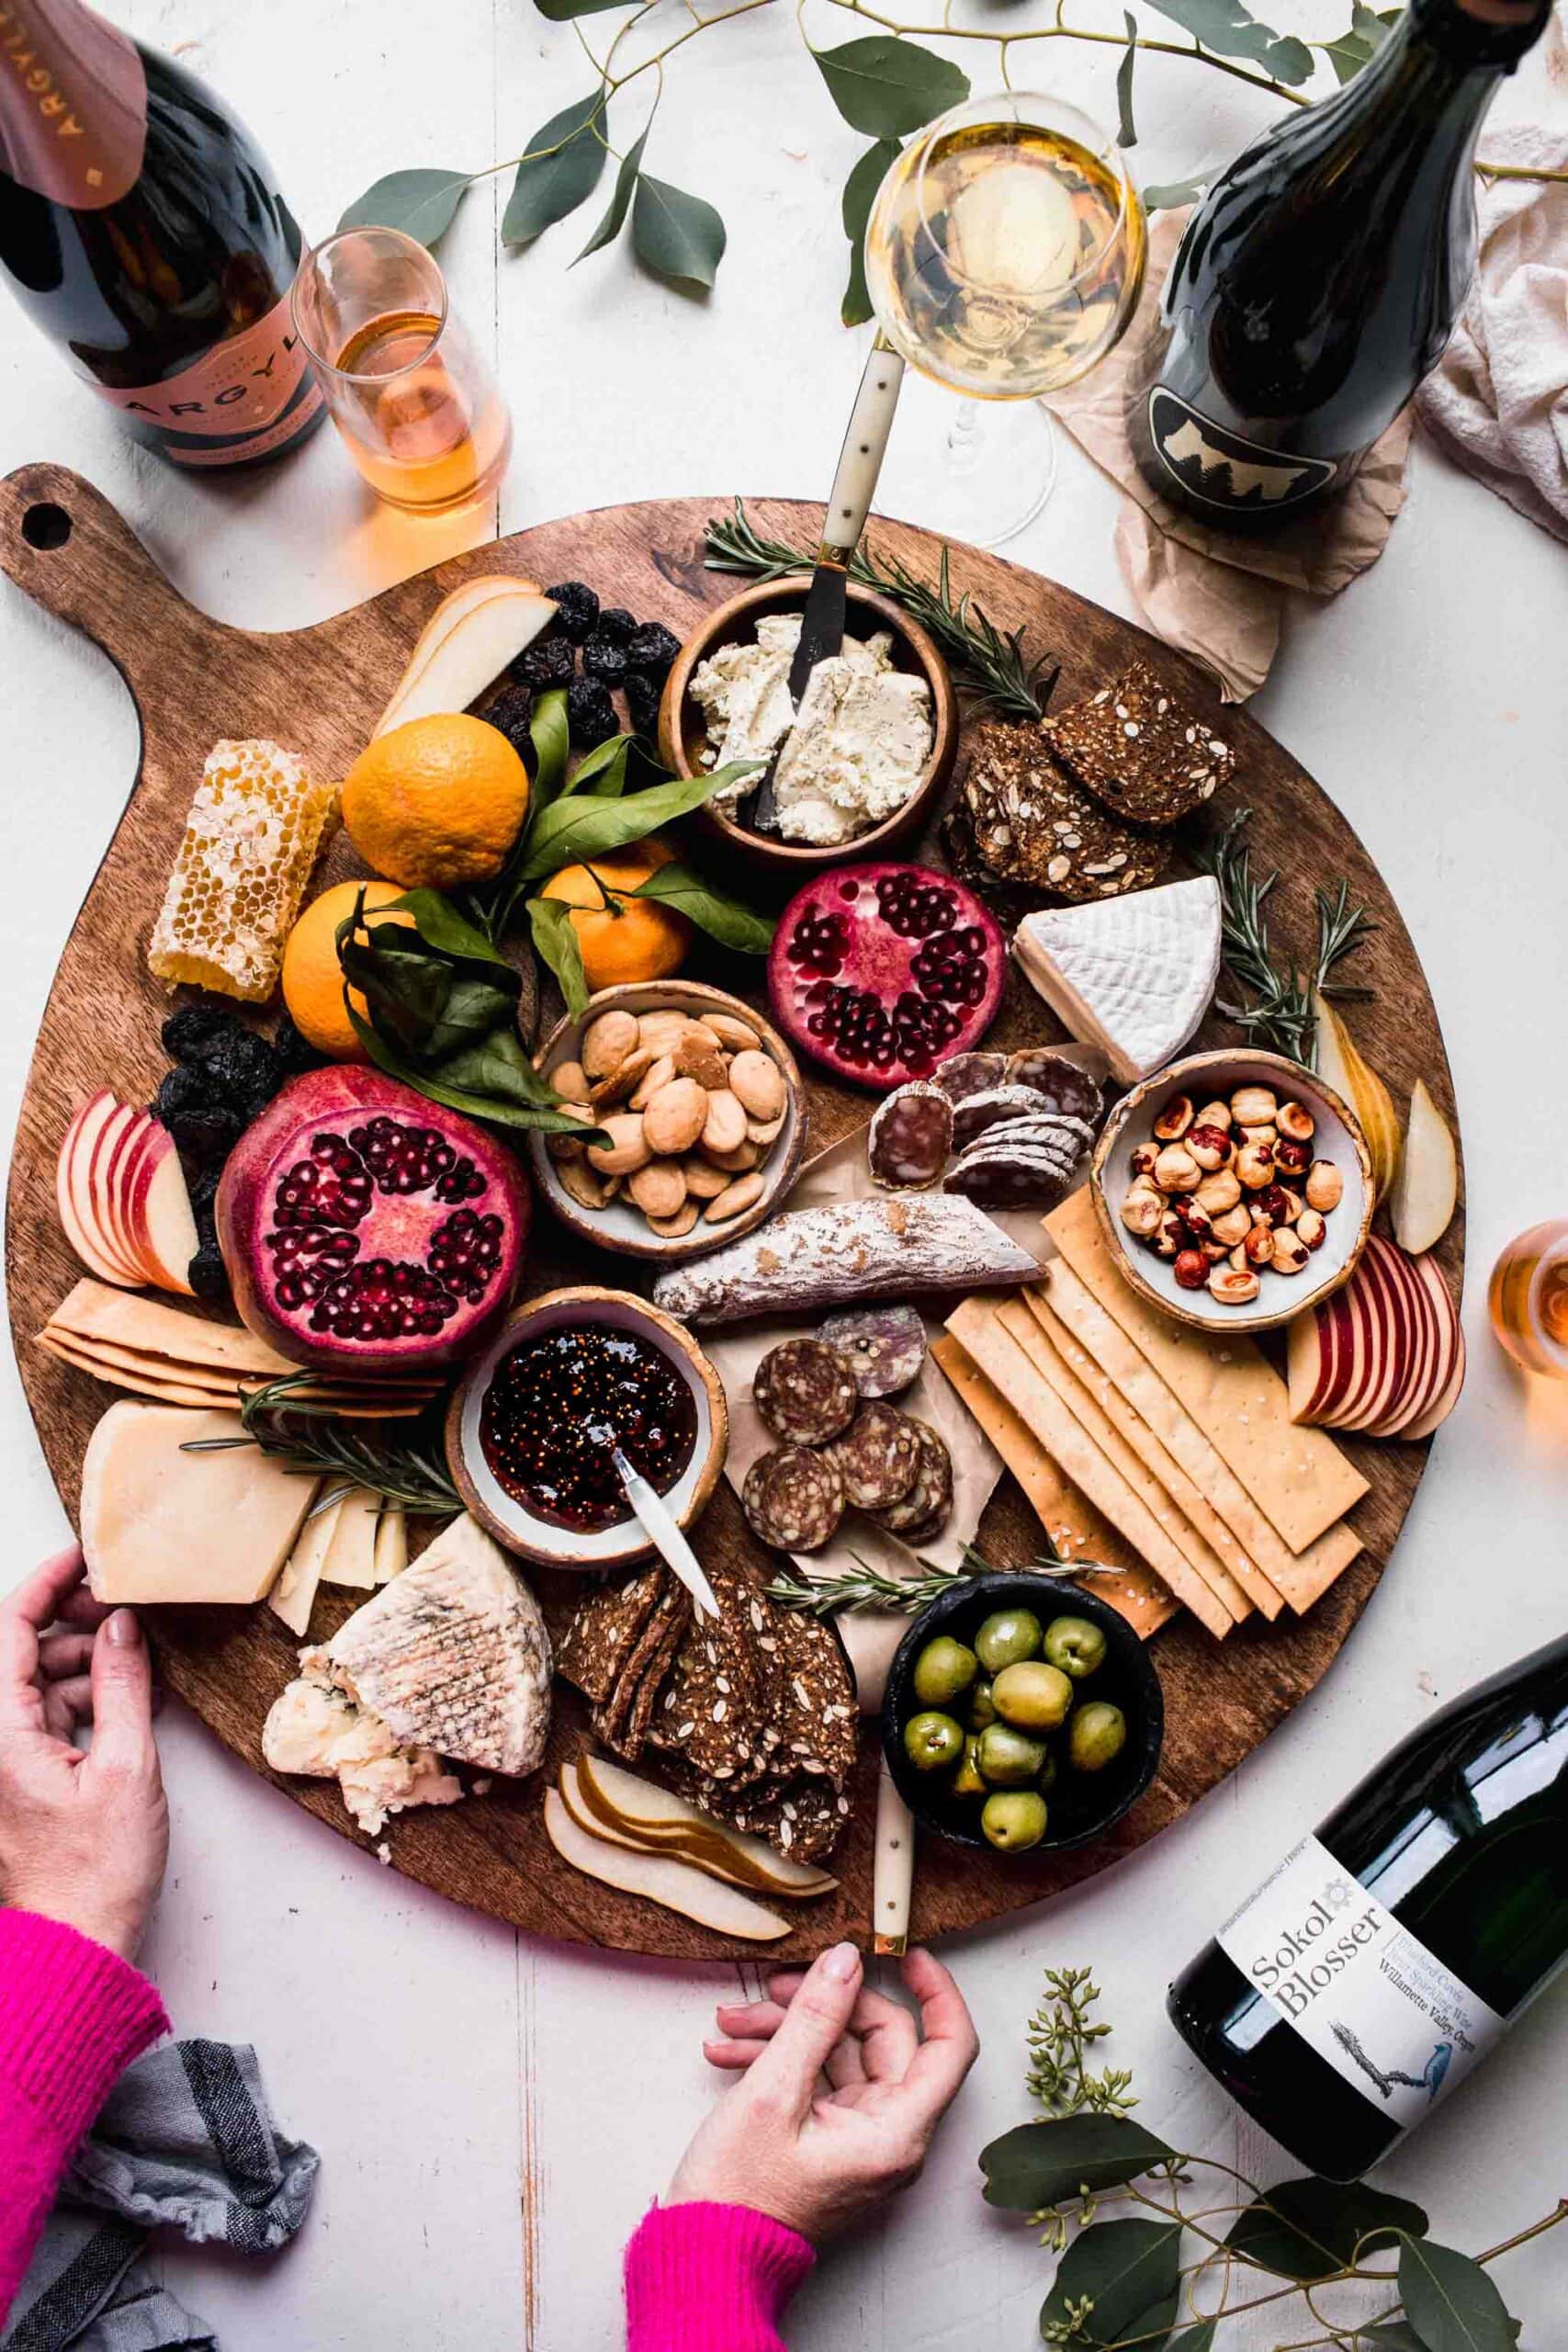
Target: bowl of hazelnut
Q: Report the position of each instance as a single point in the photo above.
(1234, 1190)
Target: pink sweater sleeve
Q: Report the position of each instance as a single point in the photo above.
(72, 2015)
(710, 2278)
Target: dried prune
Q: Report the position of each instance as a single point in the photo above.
(510, 712)
(603, 659)
(246, 1070)
(295, 1054)
(616, 625)
(203, 1190)
(651, 649)
(205, 1273)
(207, 1135)
(187, 1088)
(188, 1033)
(642, 706)
(590, 714)
(549, 662)
(577, 608)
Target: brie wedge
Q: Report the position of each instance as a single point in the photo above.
(1133, 975)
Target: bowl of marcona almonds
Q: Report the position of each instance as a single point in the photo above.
(1234, 1190)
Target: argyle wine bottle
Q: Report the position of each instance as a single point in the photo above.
(143, 231)
(1386, 1954)
(1319, 280)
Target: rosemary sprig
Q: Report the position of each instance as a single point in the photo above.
(870, 1587)
(1280, 1016)
(991, 663)
(1060, 2035)
(316, 1442)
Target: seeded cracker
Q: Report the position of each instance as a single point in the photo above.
(622, 1721)
(710, 1712)
(1140, 750)
(602, 1634)
(1033, 823)
(819, 1722)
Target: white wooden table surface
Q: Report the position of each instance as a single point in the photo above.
(493, 2114)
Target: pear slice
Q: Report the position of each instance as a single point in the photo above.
(1356, 1082)
(467, 643)
(660, 1878)
(1425, 1190)
(612, 1803)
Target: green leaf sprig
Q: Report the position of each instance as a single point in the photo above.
(1280, 1014)
(317, 1442)
(865, 1587)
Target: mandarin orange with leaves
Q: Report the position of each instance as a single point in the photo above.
(312, 975)
(437, 802)
(619, 936)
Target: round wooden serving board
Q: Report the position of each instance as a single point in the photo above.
(321, 690)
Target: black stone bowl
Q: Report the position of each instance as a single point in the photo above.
(1082, 1805)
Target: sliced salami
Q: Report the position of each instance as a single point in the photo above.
(911, 1136)
(972, 1117)
(792, 1498)
(1064, 1140)
(876, 1457)
(964, 1074)
(805, 1392)
(885, 1347)
(1061, 1085)
(1009, 1179)
(924, 1509)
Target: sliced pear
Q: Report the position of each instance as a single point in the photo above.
(614, 1803)
(462, 650)
(1357, 1084)
(660, 1878)
(1426, 1192)
(293, 1597)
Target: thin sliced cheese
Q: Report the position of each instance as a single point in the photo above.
(159, 1523)
(1298, 1477)
(351, 1558)
(392, 1543)
(293, 1597)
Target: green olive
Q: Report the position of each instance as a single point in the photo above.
(1096, 1735)
(1008, 1759)
(1007, 1635)
(1046, 1777)
(1076, 1645)
(982, 1706)
(932, 1740)
(943, 1671)
(1032, 1695)
(1013, 1819)
(968, 1780)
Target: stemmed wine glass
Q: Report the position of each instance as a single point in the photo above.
(1004, 257)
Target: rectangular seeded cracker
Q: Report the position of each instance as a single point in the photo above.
(819, 1720)
(602, 1634)
(1140, 751)
(649, 1656)
(710, 1713)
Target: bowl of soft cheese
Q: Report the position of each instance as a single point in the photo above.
(858, 764)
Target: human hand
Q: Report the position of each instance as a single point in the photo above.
(83, 1837)
(840, 2097)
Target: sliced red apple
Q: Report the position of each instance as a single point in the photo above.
(1416, 1384)
(1448, 1357)
(158, 1211)
(117, 1187)
(1439, 1413)
(86, 1231)
(1311, 1346)
(1375, 1352)
(1425, 1190)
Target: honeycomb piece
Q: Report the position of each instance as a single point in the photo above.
(251, 840)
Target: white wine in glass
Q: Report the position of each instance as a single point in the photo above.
(1004, 255)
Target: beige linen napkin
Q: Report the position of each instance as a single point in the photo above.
(1219, 598)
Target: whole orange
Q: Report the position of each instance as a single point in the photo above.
(436, 802)
(312, 975)
(622, 938)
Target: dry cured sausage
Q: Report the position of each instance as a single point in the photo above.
(994, 1177)
(924, 1509)
(805, 1392)
(972, 1117)
(885, 1347)
(1061, 1085)
(876, 1457)
(964, 1074)
(911, 1136)
(792, 1498)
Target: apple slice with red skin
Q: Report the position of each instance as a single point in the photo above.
(82, 1203)
(1312, 1345)
(130, 1141)
(1415, 1353)
(158, 1212)
(1439, 1413)
(1445, 1375)
(1377, 1351)
(1430, 1367)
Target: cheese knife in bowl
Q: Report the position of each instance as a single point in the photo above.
(664, 1535)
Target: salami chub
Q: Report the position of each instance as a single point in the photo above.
(885, 1347)
(991, 1109)
(994, 1176)
(792, 1498)
(876, 1457)
(911, 1136)
(964, 1074)
(805, 1392)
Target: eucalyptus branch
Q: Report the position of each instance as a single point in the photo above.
(1062, 31)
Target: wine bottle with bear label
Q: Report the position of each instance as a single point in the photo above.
(1384, 1956)
(1318, 280)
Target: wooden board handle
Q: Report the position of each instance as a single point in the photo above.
(75, 554)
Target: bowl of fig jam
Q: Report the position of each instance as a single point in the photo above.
(530, 1431)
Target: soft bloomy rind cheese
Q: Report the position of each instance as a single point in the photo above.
(1133, 975)
(162, 1524)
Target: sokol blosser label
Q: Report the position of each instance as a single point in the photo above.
(1367, 1995)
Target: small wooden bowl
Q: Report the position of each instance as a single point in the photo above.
(682, 730)
(621, 1227)
(540, 1540)
(1206, 1076)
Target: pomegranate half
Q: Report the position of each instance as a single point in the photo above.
(879, 972)
(362, 1224)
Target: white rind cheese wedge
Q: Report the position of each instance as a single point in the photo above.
(1133, 976)
(160, 1524)
(709, 1902)
(316, 1729)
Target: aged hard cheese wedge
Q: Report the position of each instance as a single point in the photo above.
(1134, 975)
(160, 1524)
(709, 1902)
(351, 1558)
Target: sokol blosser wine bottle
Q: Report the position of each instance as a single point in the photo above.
(1318, 280)
(1386, 1954)
(143, 230)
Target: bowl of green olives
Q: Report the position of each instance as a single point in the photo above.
(1021, 1715)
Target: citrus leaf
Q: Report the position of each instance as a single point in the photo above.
(1127, 135)
(555, 943)
(1174, 194)
(1037, 2165)
(489, 1083)
(423, 204)
(722, 917)
(888, 87)
(625, 180)
(580, 825)
(1449, 2301)
(677, 236)
(1130, 2271)
(438, 922)
(551, 737)
(1309, 2228)
(1226, 27)
(859, 194)
(561, 170)
(603, 771)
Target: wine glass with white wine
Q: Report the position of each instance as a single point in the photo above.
(1004, 255)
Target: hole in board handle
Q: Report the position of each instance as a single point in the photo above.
(46, 527)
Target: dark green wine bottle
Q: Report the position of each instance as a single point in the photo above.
(1319, 279)
(1387, 1953)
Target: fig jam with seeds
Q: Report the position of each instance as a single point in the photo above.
(555, 1407)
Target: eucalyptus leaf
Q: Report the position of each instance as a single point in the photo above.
(677, 236)
(859, 194)
(555, 938)
(1037, 2165)
(423, 204)
(1346, 55)
(1174, 194)
(562, 12)
(1374, 24)
(581, 825)
(722, 917)
(1130, 2271)
(1127, 135)
(888, 87)
(1450, 2301)
(609, 228)
(1194, 2339)
(1309, 2228)
(559, 170)
(1227, 28)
